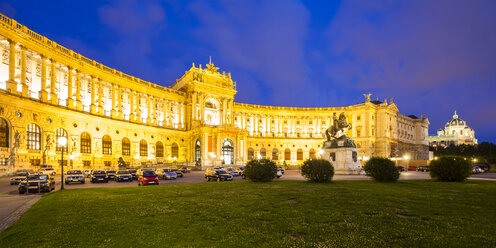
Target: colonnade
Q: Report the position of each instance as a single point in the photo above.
(82, 90)
(282, 125)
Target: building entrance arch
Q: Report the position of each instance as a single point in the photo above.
(228, 151)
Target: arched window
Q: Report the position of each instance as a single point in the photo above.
(107, 145)
(61, 133)
(287, 154)
(174, 151)
(126, 147)
(197, 150)
(143, 148)
(311, 154)
(85, 143)
(299, 154)
(33, 137)
(228, 151)
(275, 154)
(263, 153)
(250, 153)
(159, 149)
(4, 133)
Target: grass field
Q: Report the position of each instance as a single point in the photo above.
(276, 214)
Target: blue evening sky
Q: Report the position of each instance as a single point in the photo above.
(432, 56)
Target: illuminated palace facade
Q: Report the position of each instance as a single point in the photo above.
(48, 91)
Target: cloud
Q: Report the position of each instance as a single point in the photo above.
(265, 39)
(432, 56)
(136, 26)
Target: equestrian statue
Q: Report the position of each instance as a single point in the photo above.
(338, 127)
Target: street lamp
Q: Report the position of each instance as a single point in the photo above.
(62, 142)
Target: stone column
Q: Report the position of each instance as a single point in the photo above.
(155, 112)
(268, 125)
(167, 117)
(25, 88)
(149, 108)
(171, 124)
(119, 103)
(113, 113)
(138, 109)
(100, 97)
(93, 100)
(193, 105)
(202, 107)
(43, 91)
(79, 104)
(53, 81)
(180, 111)
(70, 101)
(132, 117)
(11, 83)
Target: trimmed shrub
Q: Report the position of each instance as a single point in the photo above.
(317, 170)
(260, 170)
(381, 169)
(450, 169)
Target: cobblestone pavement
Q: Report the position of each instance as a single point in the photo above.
(13, 205)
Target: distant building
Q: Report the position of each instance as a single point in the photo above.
(456, 132)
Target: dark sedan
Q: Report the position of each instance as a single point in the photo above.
(37, 184)
(98, 176)
(18, 177)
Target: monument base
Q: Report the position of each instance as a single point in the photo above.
(344, 160)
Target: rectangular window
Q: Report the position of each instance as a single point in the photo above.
(86, 163)
(4, 161)
(35, 162)
(107, 163)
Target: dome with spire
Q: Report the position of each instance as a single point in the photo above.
(456, 131)
(456, 121)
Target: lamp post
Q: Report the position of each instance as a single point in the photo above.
(406, 158)
(62, 142)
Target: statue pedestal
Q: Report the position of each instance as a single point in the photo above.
(343, 155)
(344, 160)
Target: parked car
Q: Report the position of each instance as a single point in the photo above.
(233, 172)
(178, 172)
(411, 167)
(401, 168)
(49, 171)
(18, 177)
(484, 167)
(147, 177)
(180, 168)
(74, 176)
(281, 169)
(123, 175)
(218, 175)
(37, 183)
(98, 176)
(133, 172)
(477, 170)
(111, 174)
(167, 174)
(279, 173)
(423, 168)
(87, 173)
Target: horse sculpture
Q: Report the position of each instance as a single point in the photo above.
(337, 125)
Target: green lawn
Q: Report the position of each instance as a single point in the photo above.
(276, 214)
